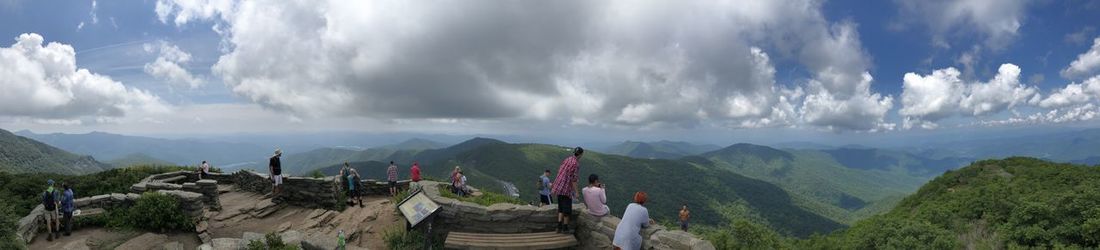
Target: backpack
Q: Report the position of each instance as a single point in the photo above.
(48, 200)
(538, 184)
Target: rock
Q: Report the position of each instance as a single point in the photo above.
(248, 237)
(118, 197)
(202, 227)
(225, 243)
(292, 237)
(143, 241)
(318, 242)
(205, 247)
(205, 238)
(283, 227)
(172, 246)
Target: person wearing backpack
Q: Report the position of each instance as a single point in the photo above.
(353, 186)
(67, 207)
(50, 203)
(544, 188)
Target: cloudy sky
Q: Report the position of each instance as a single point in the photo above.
(606, 68)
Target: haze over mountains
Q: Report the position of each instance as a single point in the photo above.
(797, 190)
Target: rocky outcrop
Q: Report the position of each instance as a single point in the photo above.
(463, 216)
(598, 233)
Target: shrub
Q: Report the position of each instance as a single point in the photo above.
(316, 174)
(743, 234)
(399, 239)
(158, 212)
(271, 241)
(8, 239)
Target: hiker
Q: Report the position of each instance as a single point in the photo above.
(391, 175)
(50, 201)
(460, 184)
(628, 233)
(342, 177)
(414, 175)
(565, 187)
(684, 216)
(594, 197)
(275, 168)
(204, 170)
(454, 179)
(354, 190)
(544, 188)
(67, 207)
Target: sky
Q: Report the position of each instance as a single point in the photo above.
(596, 70)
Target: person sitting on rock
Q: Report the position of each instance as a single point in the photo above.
(414, 177)
(460, 184)
(454, 179)
(628, 234)
(595, 197)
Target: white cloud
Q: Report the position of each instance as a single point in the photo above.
(928, 99)
(80, 26)
(612, 63)
(932, 97)
(1073, 94)
(1076, 113)
(43, 82)
(1086, 63)
(998, 21)
(167, 65)
(1003, 92)
(95, 19)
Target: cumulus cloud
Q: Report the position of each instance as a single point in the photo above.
(928, 99)
(1085, 64)
(998, 21)
(43, 82)
(1073, 94)
(614, 63)
(167, 65)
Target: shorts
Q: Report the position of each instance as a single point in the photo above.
(278, 179)
(393, 184)
(684, 225)
(545, 199)
(565, 204)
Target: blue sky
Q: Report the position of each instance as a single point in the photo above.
(611, 69)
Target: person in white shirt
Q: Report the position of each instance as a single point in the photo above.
(595, 196)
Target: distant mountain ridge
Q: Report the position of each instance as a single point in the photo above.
(658, 149)
(111, 147)
(317, 159)
(20, 154)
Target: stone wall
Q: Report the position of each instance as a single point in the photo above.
(463, 216)
(181, 180)
(375, 187)
(191, 203)
(598, 233)
(592, 232)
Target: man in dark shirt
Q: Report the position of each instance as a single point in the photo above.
(276, 170)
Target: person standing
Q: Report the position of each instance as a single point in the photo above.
(204, 170)
(684, 216)
(544, 188)
(275, 168)
(628, 233)
(354, 190)
(414, 175)
(67, 207)
(565, 187)
(50, 202)
(391, 175)
(595, 197)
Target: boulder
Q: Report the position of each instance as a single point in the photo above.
(248, 237)
(175, 245)
(318, 242)
(143, 241)
(226, 243)
(292, 237)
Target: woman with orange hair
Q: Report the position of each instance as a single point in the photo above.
(628, 233)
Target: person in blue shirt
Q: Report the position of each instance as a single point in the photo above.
(67, 208)
(544, 189)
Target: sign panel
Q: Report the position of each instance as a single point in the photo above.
(417, 207)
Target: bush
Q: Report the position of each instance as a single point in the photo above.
(271, 241)
(8, 239)
(743, 234)
(316, 174)
(399, 239)
(157, 212)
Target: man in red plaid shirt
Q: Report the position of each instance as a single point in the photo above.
(565, 187)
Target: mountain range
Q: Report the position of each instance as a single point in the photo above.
(19, 154)
(658, 149)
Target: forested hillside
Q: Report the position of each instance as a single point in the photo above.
(23, 155)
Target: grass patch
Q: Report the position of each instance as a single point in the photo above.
(486, 198)
(271, 241)
(399, 239)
